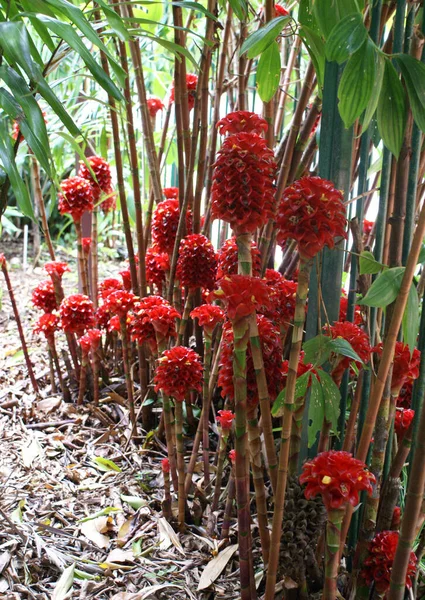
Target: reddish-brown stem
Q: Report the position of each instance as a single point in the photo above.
(38, 197)
(178, 412)
(82, 270)
(127, 373)
(94, 258)
(229, 504)
(83, 380)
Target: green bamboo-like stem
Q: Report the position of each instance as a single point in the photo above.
(81, 262)
(222, 447)
(127, 373)
(349, 437)
(83, 380)
(185, 315)
(231, 492)
(38, 197)
(325, 432)
(95, 359)
(52, 372)
(297, 336)
(296, 430)
(333, 536)
(178, 411)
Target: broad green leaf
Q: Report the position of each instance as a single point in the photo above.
(56, 105)
(104, 464)
(134, 501)
(268, 72)
(332, 398)
(413, 72)
(340, 346)
(240, 8)
(376, 91)
(301, 385)
(316, 49)
(306, 16)
(329, 12)
(410, 319)
(15, 41)
(391, 113)
(316, 410)
(358, 78)
(368, 264)
(261, 39)
(384, 289)
(7, 159)
(346, 38)
(317, 350)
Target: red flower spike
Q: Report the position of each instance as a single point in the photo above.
(405, 367)
(103, 181)
(232, 456)
(209, 316)
(154, 106)
(165, 464)
(179, 370)
(242, 192)
(312, 213)
(165, 221)
(86, 244)
(343, 306)
(280, 11)
(157, 263)
(102, 317)
(44, 297)
(197, 262)
(228, 259)
(378, 565)
(191, 83)
(114, 324)
(126, 279)
(171, 193)
(109, 285)
(367, 227)
(56, 268)
(404, 399)
(90, 340)
(338, 477)
(109, 203)
(76, 197)
(85, 344)
(282, 298)
(151, 316)
(242, 294)
(403, 420)
(242, 121)
(271, 346)
(77, 314)
(225, 418)
(358, 339)
(2, 260)
(120, 303)
(47, 324)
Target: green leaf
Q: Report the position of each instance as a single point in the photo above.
(301, 385)
(368, 264)
(316, 410)
(316, 49)
(317, 350)
(195, 6)
(261, 39)
(104, 464)
(421, 258)
(134, 501)
(240, 8)
(346, 38)
(329, 12)
(357, 81)
(100, 513)
(114, 20)
(268, 72)
(340, 346)
(332, 398)
(306, 16)
(391, 113)
(409, 324)
(413, 72)
(56, 105)
(7, 159)
(376, 91)
(15, 41)
(384, 290)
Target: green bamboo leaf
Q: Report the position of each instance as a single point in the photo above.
(301, 385)
(56, 105)
(240, 8)
(7, 159)
(384, 290)
(104, 464)
(175, 49)
(329, 12)
(410, 320)
(346, 38)
(15, 41)
(316, 49)
(100, 513)
(268, 72)
(358, 78)
(115, 21)
(368, 264)
(64, 584)
(376, 91)
(413, 72)
(331, 398)
(340, 346)
(316, 410)
(317, 350)
(391, 113)
(305, 15)
(195, 6)
(261, 39)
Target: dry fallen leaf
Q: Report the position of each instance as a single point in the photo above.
(215, 567)
(146, 593)
(167, 536)
(120, 556)
(64, 584)
(93, 529)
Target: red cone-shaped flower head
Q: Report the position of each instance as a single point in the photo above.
(43, 296)
(86, 244)
(280, 11)
(242, 121)
(191, 83)
(359, 341)
(77, 314)
(102, 317)
(228, 259)
(153, 318)
(343, 306)
(367, 227)
(242, 192)
(165, 465)
(209, 316)
(165, 221)
(378, 565)
(337, 477)
(405, 366)
(282, 298)
(171, 193)
(404, 399)
(225, 418)
(179, 370)
(109, 285)
(114, 324)
(47, 324)
(154, 106)
(90, 340)
(56, 268)
(102, 182)
(120, 303)
(109, 203)
(271, 347)
(403, 420)
(312, 212)
(197, 262)
(126, 279)
(76, 197)
(157, 264)
(242, 294)
(232, 456)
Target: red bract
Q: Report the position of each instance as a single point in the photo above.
(54, 268)
(302, 368)
(355, 336)
(171, 193)
(242, 192)
(378, 565)
(271, 347)
(154, 106)
(228, 259)
(43, 296)
(114, 324)
(120, 303)
(197, 262)
(337, 477)
(232, 456)
(403, 420)
(86, 244)
(109, 203)
(153, 316)
(90, 340)
(77, 314)
(242, 294)
(208, 315)
(280, 10)
(85, 344)
(76, 198)
(2, 260)
(126, 279)
(102, 317)
(191, 83)
(404, 399)
(47, 324)
(165, 221)
(103, 179)
(343, 306)
(395, 522)
(225, 418)
(109, 285)
(367, 227)
(405, 367)
(242, 121)
(312, 212)
(165, 464)
(282, 297)
(179, 370)
(157, 263)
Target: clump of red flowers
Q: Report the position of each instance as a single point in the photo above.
(197, 262)
(157, 264)
(225, 418)
(47, 324)
(378, 565)
(403, 420)
(90, 341)
(343, 307)
(126, 279)
(171, 193)
(76, 197)
(179, 370)
(302, 368)
(357, 338)
(228, 259)
(43, 296)
(282, 298)
(242, 192)
(152, 318)
(154, 106)
(109, 285)
(56, 268)
(338, 477)
(312, 213)
(120, 303)
(242, 294)
(208, 315)
(405, 365)
(191, 83)
(242, 121)
(232, 456)
(77, 314)
(102, 182)
(165, 221)
(367, 227)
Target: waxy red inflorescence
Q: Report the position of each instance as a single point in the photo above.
(405, 365)
(44, 297)
(120, 303)
(86, 244)
(242, 294)
(302, 368)
(403, 420)
(242, 121)
(109, 285)
(197, 262)
(280, 10)
(165, 464)
(77, 314)
(56, 268)
(157, 264)
(153, 317)
(171, 193)
(102, 183)
(312, 213)
(228, 259)
(154, 106)
(165, 221)
(356, 337)
(225, 418)
(209, 316)
(90, 340)
(282, 298)
(179, 370)
(126, 279)
(338, 477)
(343, 307)
(191, 83)
(47, 324)
(367, 227)
(76, 197)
